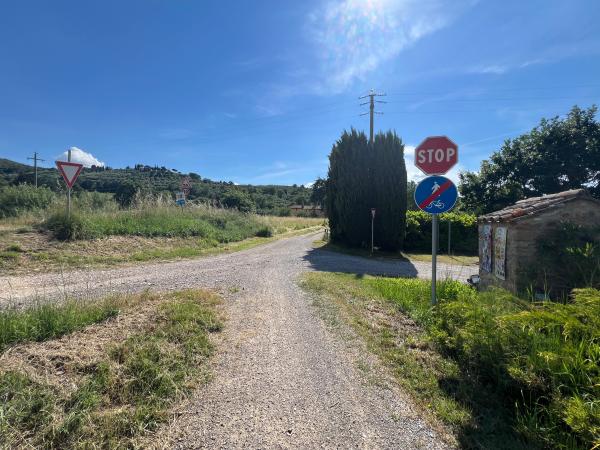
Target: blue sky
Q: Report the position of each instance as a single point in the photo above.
(258, 91)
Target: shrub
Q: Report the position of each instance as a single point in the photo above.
(544, 357)
(238, 200)
(265, 232)
(15, 200)
(567, 258)
(65, 228)
(464, 232)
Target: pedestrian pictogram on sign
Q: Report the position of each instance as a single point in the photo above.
(436, 155)
(436, 194)
(69, 171)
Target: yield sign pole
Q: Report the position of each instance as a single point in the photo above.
(69, 171)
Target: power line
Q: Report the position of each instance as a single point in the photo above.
(371, 95)
(35, 166)
(484, 99)
(533, 88)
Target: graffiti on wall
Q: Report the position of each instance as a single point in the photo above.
(500, 253)
(486, 248)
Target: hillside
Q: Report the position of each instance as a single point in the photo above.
(264, 199)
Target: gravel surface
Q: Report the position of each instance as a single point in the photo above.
(281, 379)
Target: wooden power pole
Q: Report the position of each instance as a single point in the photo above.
(35, 159)
(371, 95)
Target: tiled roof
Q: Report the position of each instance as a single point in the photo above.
(535, 205)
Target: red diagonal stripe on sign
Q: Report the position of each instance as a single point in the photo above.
(436, 194)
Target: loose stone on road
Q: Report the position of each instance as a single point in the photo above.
(281, 379)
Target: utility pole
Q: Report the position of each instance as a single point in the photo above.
(371, 95)
(35, 161)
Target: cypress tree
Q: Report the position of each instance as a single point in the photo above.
(362, 177)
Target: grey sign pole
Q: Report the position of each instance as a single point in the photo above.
(68, 189)
(449, 235)
(434, 245)
(372, 228)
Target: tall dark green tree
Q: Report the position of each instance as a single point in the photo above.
(319, 192)
(557, 155)
(362, 177)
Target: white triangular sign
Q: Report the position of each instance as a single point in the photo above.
(69, 171)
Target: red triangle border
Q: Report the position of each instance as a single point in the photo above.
(60, 165)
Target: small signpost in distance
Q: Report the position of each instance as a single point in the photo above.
(373, 210)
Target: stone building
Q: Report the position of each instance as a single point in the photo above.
(508, 237)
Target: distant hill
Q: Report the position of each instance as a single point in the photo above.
(264, 199)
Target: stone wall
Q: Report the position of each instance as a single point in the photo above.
(522, 236)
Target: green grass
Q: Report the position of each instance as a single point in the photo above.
(504, 373)
(125, 394)
(211, 224)
(45, 321)
(227, 231)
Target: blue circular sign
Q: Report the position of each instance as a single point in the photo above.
(436, 194)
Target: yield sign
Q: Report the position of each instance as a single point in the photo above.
(69, 171)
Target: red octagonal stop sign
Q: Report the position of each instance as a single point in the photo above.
(436, 155)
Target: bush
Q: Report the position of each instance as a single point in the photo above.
(464, 232)
(238, 200)
(265, 232)
(94, 201)
(567, 258)
(16, 200)
(544, 358)
(66, 228)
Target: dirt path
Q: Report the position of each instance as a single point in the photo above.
(282, 380)
(223, 272)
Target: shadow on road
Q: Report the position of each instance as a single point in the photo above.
(323, 260)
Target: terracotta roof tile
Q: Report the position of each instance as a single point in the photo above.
(534, 205)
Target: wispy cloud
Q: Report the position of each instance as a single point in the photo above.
(501, 68)
(355, 37)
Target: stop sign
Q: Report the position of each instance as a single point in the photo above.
(436, 155)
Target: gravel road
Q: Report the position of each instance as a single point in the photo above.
(281, 378)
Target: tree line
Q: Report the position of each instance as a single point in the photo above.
(557, 155)
(126, 183)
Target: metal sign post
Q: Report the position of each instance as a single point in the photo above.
(68, 189)
(434, 245)
(372, 228)
(435, 156)
(449, 235)
(69, 171)
(435, 195)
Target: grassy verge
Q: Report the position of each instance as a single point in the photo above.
(23, 249)
(211, 224)
(404, 256)
(121, 393)
(501, 372)
(46, 321)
